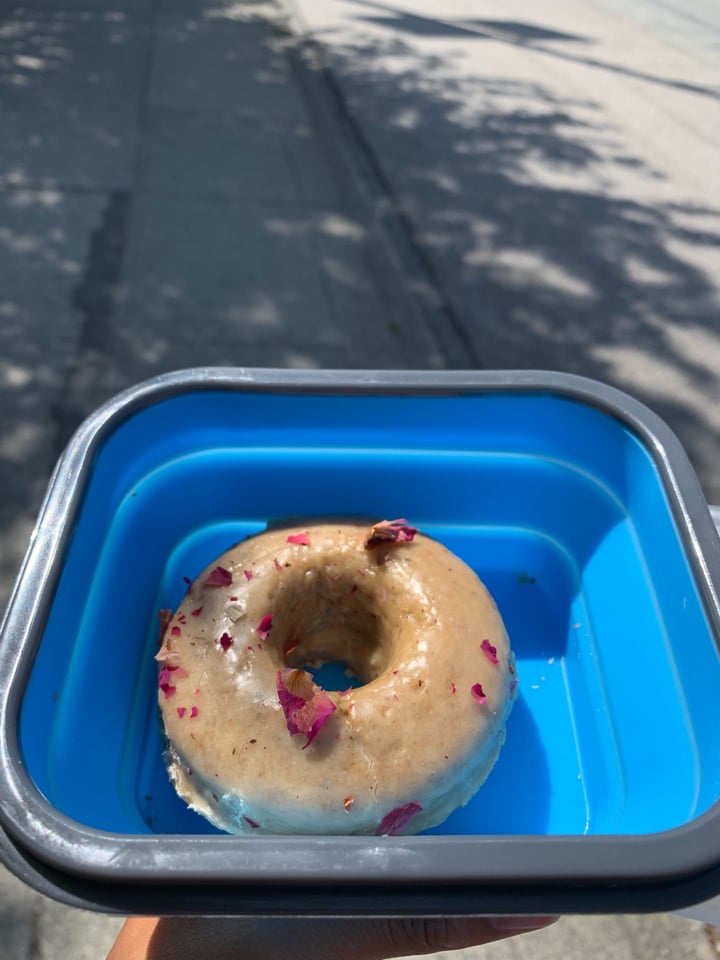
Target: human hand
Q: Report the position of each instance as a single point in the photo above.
(266, 938)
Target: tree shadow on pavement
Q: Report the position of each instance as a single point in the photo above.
(166, 201)
(556, 246)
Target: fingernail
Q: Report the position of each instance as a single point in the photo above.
(508, 924)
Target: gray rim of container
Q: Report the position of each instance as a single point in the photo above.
(371, 875)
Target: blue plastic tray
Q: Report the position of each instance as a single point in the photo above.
(575, 505)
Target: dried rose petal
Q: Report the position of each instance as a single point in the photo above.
(478, 693)
(251, 823)
(193, 712)
(175, 632)
(181, 711)
(248, 574)
(196, 613)
(490, 651)
(219, 577)
(182, 618)
(390, 531)
(453, 687)
(264, 627)
(306, 705)
(301, 538)
(396, 821)
(167, 689)
(165, 675)
(226, 642)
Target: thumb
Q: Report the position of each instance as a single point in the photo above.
(288, 939)
(378, 939)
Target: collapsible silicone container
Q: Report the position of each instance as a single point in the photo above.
(576, 506)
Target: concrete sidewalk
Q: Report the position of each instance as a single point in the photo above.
(557, 170)
(180, 185)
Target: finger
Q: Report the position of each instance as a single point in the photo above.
(288, 939)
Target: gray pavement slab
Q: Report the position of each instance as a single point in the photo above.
(222, 65)
(72, 57)
(77, 146)
(219, 295)
(204, 155)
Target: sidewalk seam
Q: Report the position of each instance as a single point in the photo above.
(95, 293)
(429, 298)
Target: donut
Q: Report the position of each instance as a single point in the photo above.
(255, 744)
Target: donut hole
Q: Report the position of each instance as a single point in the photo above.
(326, 622)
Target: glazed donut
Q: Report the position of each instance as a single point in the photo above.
(254, 744)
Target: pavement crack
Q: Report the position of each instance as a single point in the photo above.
(95, 294)
(94, 298)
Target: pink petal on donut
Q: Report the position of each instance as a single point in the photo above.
(167, 676)
(219, 577)
(175, 632)
(196, 613)
(306, 705)
(302, 538)
(490, 651)
(390, 531)
(226, 642)
(264, 627)
(193, 712)
(478, 693)
(248, 574)
(181, 711)
(396, 821)
(251, 823)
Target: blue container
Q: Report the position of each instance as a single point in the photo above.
(573, 503)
